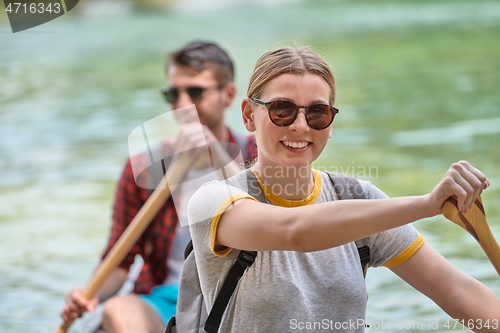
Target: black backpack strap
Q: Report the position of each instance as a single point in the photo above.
(347, 187)
(364, 253)
(189, 248)
(170, 325)
(245, 259)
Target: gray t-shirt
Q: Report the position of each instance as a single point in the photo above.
(183, 192)
(286, 291)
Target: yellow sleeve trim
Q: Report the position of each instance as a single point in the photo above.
(216, 218)
(407, 253)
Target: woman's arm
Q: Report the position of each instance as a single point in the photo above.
(251, 225)
(255, 226)
(461, 296)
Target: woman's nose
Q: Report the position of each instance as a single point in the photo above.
(300, 123)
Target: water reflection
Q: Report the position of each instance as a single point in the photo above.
(460, 132)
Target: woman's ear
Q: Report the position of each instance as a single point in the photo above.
(247, 108)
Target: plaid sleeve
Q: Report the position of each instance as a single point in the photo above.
(155, 268)
(251, 149)
(128, 201)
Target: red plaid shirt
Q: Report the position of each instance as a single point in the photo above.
(128, 201)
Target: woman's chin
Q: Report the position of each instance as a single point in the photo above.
(296, 162)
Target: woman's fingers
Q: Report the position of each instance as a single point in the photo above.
(470, 181)
(461, 189)
(463, 181)
(472, 186)
(485, 183)
(477, 179)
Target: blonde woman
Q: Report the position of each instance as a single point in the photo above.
(307, 274)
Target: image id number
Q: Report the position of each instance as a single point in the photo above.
(33, 8)
(472, 324)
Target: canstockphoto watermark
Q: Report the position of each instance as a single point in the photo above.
(158, 161)
(353, 170)
(356, 324)
(25, 15)
(383, 325)
(326, 324)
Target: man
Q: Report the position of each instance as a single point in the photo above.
(201, 74)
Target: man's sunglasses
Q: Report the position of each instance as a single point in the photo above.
(195, 93)
(283, 113)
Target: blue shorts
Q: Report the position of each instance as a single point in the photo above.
(163, 299)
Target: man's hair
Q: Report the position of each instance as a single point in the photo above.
(199, 55)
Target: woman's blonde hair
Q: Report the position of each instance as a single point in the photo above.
(289, 60)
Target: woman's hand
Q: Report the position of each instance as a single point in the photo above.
(461, 180)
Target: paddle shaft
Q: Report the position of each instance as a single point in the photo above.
(490, 247)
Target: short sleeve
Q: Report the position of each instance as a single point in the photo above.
(205, 209)
(394, 246)
(371, 191)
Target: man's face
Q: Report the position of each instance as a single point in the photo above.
(213, 100)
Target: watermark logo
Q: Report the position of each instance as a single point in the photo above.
(182, 162)
(25, 15)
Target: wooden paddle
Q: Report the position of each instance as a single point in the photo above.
(474, 221)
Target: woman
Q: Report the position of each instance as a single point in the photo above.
(307, 273)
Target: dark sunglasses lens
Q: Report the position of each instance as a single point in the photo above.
(195, 93)
(171, 95)
(319, 116)
(282, 113)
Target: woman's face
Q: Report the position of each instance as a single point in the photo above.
(276, 143)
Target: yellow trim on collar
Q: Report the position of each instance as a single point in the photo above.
(279, 201)
(216, 218)
(407, 253)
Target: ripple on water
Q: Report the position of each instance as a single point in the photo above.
(458, 132)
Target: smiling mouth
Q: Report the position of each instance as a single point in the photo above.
(293, 144)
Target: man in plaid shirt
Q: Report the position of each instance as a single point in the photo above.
(201, 74)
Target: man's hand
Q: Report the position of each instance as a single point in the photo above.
(193, 142)
(77, 304)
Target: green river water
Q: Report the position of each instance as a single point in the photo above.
(418, 89)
